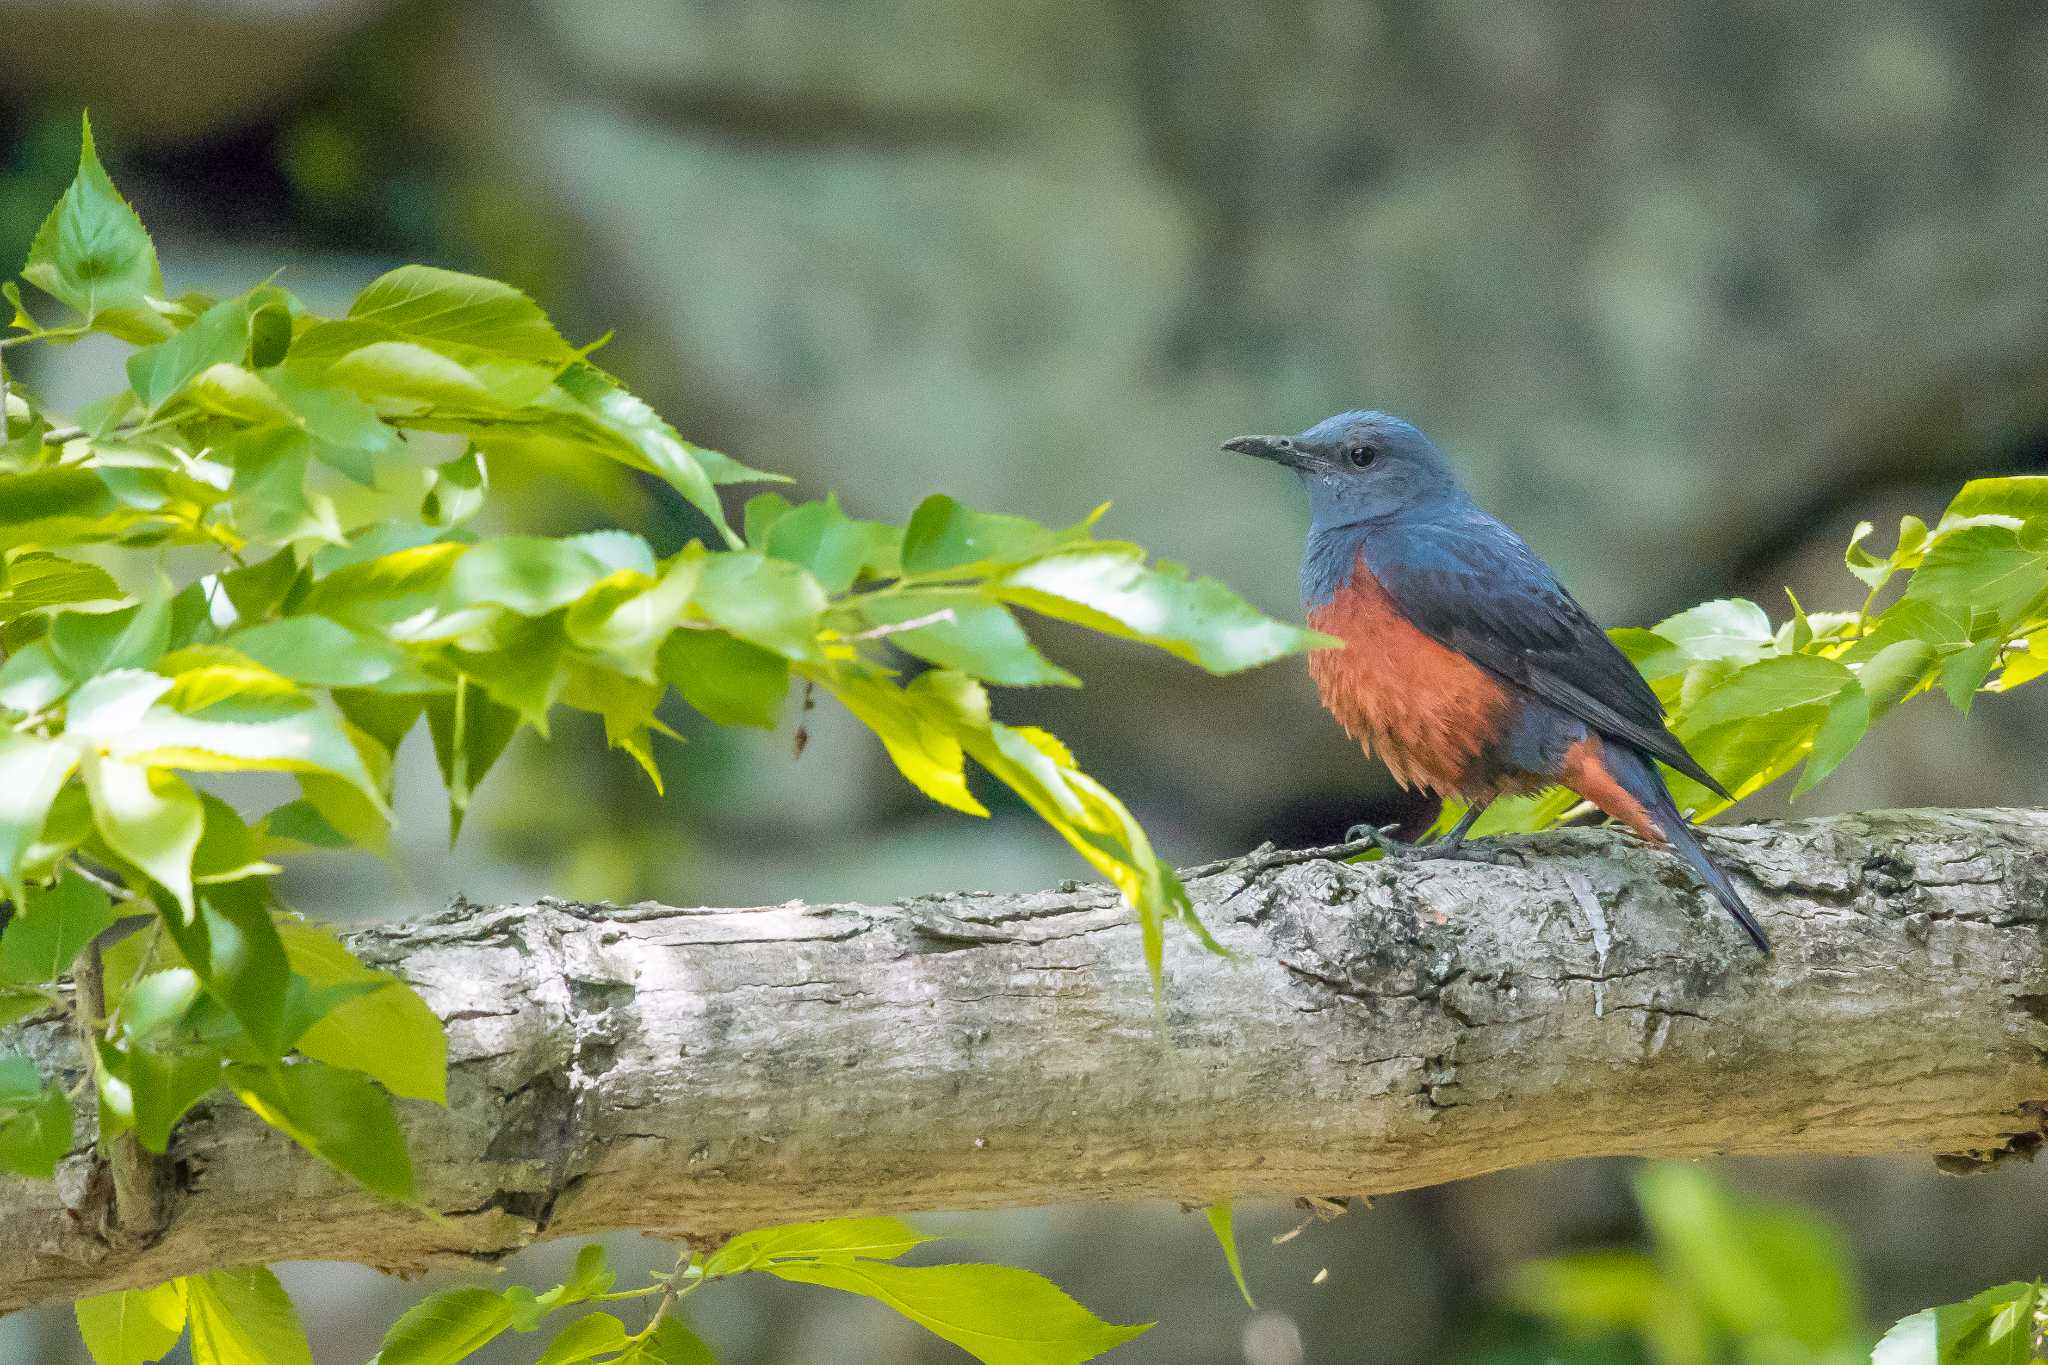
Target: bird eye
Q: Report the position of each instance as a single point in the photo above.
(1360, 455)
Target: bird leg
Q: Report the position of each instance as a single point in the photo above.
(1449, 845)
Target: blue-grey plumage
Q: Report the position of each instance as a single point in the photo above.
(1467, 666)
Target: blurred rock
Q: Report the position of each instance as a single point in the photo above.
(163, 72)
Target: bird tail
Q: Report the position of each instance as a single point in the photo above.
(1639, 777)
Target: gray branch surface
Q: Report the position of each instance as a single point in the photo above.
(693, 1072)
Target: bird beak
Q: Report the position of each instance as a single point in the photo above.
(1278, 449)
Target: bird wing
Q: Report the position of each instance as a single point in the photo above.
(1474, 587)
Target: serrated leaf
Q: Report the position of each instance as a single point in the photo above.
(948, 537)
(729, 680)
(164, 1082)
(249, 734)
(32, 771)
(445, 1328)
(150, 817)
(85, 644)
(324, 653)
(36, 580)
(821, 538)
(446, 309)
(1732, 628)
(1963, 672)
(998, 1315)
(35, 1121)
(233, 947)
(1888, 676)
(1996, 1327)
(1113, 590)
(916, 734)
(219, 336)
(1788, 682)
(243, 1317)
(881, 1239)
(1980, 570)
(1221, 1223)
(132, 1326)
(592, 1335)
(390, 1035)
(980, 637)
(93, 253)
(52, 925)
(531, 575)
(767, 602)
(670, 1343)
(336, 1115)
(470, 732)
(1841, 730)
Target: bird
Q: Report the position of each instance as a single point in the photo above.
(1464, 663)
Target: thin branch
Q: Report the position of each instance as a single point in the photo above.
(938, 617)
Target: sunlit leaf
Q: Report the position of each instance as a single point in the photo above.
(1221, 1223)
(93, 254)
(35, 1121)
(998, 1315)
(390, 1034)
(243, 1317)
(52, 925)
(132, 1326)
(880, 1239)
(445, 1328)
(336, 1115)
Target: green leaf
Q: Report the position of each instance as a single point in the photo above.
(53, 924)
(445, 309)
(93, 253)
(32, 770)
(626, 428)
(336, 1115)
(1841, 730)
(1996, 1327)
(151, 818)
(35, 1121)
(981, 638)
(470, 731)
(1980, 569)
(768, 602)
(219, 336)
(36, 580)
(243, 1317)
(917, 733)
(1894, 672)
(998, 1315)
(882, 1239)
(1226, 1237)
(531, 575)
(31, 680)
(588, 1277)
(132, 1326)
(585, 1338)
(1732, 628)
(390, 1034)
(324, 653)
(133, 637)
(670, 1343)
(1876, 572)
(445, 1328)
(1963, 672)
(729, 680)
(2019, 498)
(1787, 682)
(233, 946)
(1759, 1269)
(164, 1081)
(821, 538)
(1590, 1290)
(50, 507)
(250, 734)
(948, 537)
(1112, 590)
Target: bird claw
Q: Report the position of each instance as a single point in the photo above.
(1382, 838)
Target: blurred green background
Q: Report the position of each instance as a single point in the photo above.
(1687, 291)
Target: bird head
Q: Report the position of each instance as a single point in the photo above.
(1360, 467)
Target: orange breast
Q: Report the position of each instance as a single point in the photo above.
(1426, 710)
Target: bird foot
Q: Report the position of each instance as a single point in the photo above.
(1382, 838)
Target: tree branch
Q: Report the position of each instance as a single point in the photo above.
(1382, 1027)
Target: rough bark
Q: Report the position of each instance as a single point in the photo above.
(697, 1071)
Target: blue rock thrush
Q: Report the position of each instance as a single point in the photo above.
(1466, 666)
